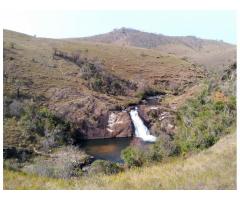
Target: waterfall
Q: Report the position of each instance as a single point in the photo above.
(141, 130)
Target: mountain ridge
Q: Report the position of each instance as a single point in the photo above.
(213, 54)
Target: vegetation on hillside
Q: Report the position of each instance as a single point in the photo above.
(204, 120)
(201, 122)
(37, 126)
(98, 79)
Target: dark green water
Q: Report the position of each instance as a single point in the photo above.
(106, 149)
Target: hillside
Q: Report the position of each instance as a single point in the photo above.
(137, 64)
(32, 71)
(214, 55)
(61, 93)
(214, 168)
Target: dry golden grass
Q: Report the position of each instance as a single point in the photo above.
(178, 101)
(215, 56)
(214, 168)
(136, 64)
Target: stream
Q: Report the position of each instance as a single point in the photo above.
(141, 131)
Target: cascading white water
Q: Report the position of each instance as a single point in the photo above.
(141, 130)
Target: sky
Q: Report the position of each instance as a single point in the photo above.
(219, 25)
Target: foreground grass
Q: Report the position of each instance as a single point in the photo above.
(214, 168)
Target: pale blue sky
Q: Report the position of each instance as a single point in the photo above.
(220, 25)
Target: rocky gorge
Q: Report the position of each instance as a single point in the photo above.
(105, 123)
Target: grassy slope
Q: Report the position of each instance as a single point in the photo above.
(30, 65)
(213, 54)
(127, 62)
(214, 168)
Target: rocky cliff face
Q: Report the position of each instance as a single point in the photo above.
(93, 119)
(160, 119)
(119, 124)
(108, 125)
(91, 116)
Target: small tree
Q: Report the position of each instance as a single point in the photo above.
(104, 167)
(12, 45)
(132, 156)
(18, 85)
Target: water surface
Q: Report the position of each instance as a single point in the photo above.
(106, 149)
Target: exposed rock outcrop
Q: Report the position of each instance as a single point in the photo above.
(90, 115)
(159, 119)
(108, 125)
(119, 124)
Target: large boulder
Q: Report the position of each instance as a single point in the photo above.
(143, 112)
(159, 119)
(108, 125)
(119, 124)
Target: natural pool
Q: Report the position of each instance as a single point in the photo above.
(110, 149)
(106, 149)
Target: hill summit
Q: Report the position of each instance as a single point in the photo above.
(213, 54)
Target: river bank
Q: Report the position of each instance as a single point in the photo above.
(198, 171)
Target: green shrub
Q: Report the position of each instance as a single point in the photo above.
(209, 140)
(164, 147)
(154, 153)
(41, 123)
(12, 164)
(15, 108)
(202, 121)
(104, 167)
(148, 91)
(65, 162)
(232, 103)
(112, 168)
(132, 156)
(219, 106)
(12, 45)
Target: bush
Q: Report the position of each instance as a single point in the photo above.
(219, 106)
(40, 122)
(107, 83)
(154, 153)
(132, 156)
(104, 167)
(12, 45)
(12, 164)
(65, 162)
(148, 91)
(164, 147)
(209, 140)
(16, 108)
(51, 169)
(232, 103)
(203, 120)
